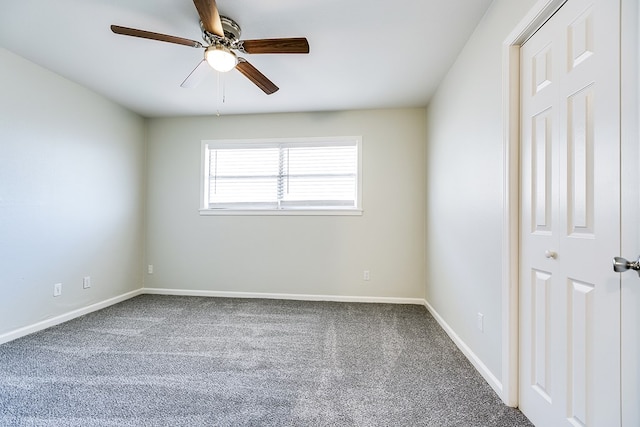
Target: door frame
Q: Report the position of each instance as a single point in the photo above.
(630, 148)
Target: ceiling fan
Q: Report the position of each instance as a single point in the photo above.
(222, 37)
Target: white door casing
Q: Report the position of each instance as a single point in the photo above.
(630, 89)
(570, 218)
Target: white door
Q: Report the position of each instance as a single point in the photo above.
(570, 218)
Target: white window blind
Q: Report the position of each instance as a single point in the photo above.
(300, 174)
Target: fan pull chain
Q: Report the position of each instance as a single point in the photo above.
(218, 93)
(224, 92)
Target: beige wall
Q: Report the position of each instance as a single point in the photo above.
(307, 255)
(71, 195)
(464, 187)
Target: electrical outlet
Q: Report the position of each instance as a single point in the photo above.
(150, 268)
(480, 322)
(57, 289)
(86, 282)
(365, 275)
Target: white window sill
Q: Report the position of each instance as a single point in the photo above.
(276, 212)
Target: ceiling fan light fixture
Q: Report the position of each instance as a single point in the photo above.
(220, 58)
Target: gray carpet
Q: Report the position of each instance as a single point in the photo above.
(191, 361)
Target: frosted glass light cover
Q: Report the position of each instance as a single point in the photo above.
(220, 58)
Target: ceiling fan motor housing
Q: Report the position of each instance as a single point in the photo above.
(231, 28)
(231, 31)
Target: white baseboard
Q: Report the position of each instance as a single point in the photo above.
(26, 330)
(495, 384)
(297, 297)
(12, 335)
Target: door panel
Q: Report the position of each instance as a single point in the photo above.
(580, 346)
(542, 180)
(570, 218)
(580, 164)
(540, 324)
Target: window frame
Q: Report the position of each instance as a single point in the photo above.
(205, 210)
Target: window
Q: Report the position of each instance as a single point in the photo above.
(284, 176)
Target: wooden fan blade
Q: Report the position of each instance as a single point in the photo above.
(256, 76)
(209, 16)
(197, 75)
(154, 36)
(292, 45)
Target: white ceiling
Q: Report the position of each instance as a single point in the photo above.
(363, 53)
